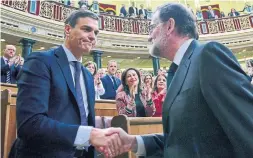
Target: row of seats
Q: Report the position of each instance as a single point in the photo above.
(106, 116)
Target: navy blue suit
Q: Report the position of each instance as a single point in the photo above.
(47, 111)
(5, 68)
(110, 91)
(208, 110)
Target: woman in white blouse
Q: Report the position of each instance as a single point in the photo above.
(99, 89)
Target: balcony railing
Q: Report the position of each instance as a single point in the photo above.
(59, 12)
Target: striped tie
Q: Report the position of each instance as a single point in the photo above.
(8, 75)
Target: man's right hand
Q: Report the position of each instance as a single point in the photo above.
(110, 145)
(129, 142)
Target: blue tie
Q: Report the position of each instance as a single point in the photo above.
(79, 93)
(8, 74)
(171, 72)
(114, 83)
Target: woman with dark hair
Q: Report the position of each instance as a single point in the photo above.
(132, 100)
(159, 93)
(99, 89)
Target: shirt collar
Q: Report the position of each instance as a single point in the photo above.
(70, 55)
(5, 59)
(181, 51)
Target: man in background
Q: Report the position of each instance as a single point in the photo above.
(110, 81)
(143, 12)
(10, 65)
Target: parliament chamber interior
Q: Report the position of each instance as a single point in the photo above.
(122, 47)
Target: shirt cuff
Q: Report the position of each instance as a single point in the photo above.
(141, 151)
(83, 137)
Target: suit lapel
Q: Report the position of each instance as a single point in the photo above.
(178, 79)
(64, 65)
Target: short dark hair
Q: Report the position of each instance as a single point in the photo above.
(75, 15)
(184, 19)
(123, 80)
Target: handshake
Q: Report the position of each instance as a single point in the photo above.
(112, 141)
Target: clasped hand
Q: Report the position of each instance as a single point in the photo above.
(112, 141)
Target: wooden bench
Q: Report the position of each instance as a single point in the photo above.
(105, 108)
(132, 125)
(137, 126)
(12, 87)
(8, 122)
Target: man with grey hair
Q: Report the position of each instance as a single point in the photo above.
(208, 110)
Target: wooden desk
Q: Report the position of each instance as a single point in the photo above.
(12, 87)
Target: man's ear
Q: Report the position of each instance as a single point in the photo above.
(170, 26)
(67, 30)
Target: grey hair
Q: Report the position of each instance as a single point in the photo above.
(184, 20)
(75, 15)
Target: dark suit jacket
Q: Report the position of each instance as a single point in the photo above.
(131, 11)
(110, 92)
(236, 14)
(47, 111)
(141, 12)
(208, 110)
(5, 68)
(123, 11)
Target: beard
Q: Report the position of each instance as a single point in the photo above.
(155, 51)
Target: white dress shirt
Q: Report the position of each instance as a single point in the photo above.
(83, 133)
(143, 12)
(5, 60)
(141, 151)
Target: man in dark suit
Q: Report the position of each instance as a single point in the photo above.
(210, 13)
(133, 11)
(143, 12)
(208, 110)
(10, 65)
(56, 97)
(123, 10)
(110, 81)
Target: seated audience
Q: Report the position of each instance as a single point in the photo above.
(133, 101)
(99, 89)
(10, 65)
(234, 13)
(159, 94)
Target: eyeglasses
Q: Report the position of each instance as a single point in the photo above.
(152, 27)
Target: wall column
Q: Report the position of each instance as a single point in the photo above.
(27, 45)
(156, 65)
(97, 57)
